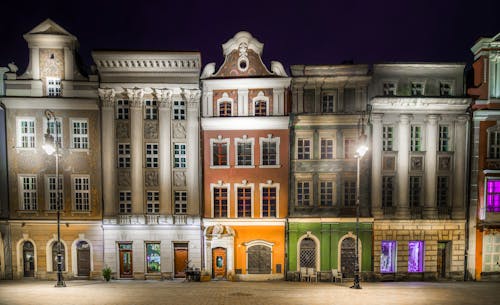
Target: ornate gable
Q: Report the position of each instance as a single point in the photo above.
(49, 27)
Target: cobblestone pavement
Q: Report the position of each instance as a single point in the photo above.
(125, 292)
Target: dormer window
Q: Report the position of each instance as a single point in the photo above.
(389, 88)
(417, 88)
(53, 86)
(445, 89)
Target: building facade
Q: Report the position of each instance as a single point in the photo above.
(484, 216)
(54, 82)
(420, 132)
(5, 253)
(245, 163)
(328, 105)
(150, 133)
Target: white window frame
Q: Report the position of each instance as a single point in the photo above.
(261, 189)
(81, 135)
(52, 191)
(330, 179)
(179, 110)
(388, 141)
(153, 201)
(225, 98)
(244, 140)
(31, 137)
(180, 159)
(54, 85)
(123, 156)
(325, 94)
(413, 88)
(122, 109)
(151, 155)
(181, 202)
(220, 185)
(150, 109)
(125, 200)
(31, 192)
(244, 184)
(213, 141)
(74, 192)
(270, 139)
(389, 88)
(413, 139)
(260, 97)
(50, 125)
(441, 139)
(327, 138)
(304, 136)
(311, 191)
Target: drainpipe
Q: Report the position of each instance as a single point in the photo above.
(467, 193)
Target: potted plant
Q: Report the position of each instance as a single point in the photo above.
(205, 276)
(106, 273)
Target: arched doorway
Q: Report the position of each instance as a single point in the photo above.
(54, 256)
(219, 257)
(259, 259)
(83, 258)
(307, 253)
(348, 256)
(28, 259)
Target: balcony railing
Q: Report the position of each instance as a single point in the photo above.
(444, 212)
(416, 212)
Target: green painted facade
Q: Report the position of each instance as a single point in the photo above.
(329, 234)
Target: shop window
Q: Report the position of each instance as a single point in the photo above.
(153, 258)
(493, 196)
(416, 256)
(388, 256)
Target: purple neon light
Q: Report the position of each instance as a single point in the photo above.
(388, 256)
(493, 196)
(416, 256)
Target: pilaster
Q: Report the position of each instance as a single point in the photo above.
(403, 209)
(377, 166)
(460, 160)
(430, 204)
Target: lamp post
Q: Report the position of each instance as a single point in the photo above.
(51, 146)
(360, 152)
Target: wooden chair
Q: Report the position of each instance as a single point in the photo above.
(303, 274)
(311, 272)
(336, 275)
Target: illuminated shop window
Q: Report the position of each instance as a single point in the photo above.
(153, 258)
(416, 256)
(388, 256)
(493, 196)
(491, 252)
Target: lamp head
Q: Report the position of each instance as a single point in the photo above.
(49, 145)
(361, 151)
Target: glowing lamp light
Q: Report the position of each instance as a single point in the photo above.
(361, 151)
(49, 146)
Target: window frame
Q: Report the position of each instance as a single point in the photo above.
(412, 193)
(179, 110)
(52, 193)
(417, 86)
(151, 156)
(80, 136)
(416, 141)
(244, 140)
(74, 193)
(349, 193)
(300, 189)
(123, 158)
(225, 99)
(270, 139)
(388, 137)
(56, 85)
(122, 109)
(31, 137)
(249, 186)
(150, 109)
(276, 186)
(450, 88)
(220, 186)
(124, 202)
(309, 153)
(388, 193)
(219, 140)
(323, 194)
(493, 135)
(444, 144)
(323, 156)
(349, 148)
(389, 88)
(260, 98)
(152, 202)
(180, 159)
(331, 104)
(32, 192)
(50, 125)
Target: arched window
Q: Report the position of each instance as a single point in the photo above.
(54, 256)
(308, 253)
(225, 108)
(259, 259)
(260, 108)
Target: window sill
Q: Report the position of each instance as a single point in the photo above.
(270, 166)
(28, 212)
(80, 213)
(244, 166)
(219, 167)
(79, 150)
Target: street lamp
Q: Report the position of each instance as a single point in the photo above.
(360, 152)
(51, 146)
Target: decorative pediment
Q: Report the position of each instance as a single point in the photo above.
(49, 27)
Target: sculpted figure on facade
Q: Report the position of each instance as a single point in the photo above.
(179, 131)
(179, 179)
(150, 130)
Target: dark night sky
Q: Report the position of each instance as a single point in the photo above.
(293, 32)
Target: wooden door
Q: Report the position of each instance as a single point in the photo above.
(180, 259)
(28, 259)
(259, 260)
(83, 258)
(348, 257)
(219, 263)
(126, 262)
(441, 259)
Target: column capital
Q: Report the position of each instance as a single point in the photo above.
(107, 97)
(278, 90)
(377, 118)
(135, 96)
(462, 119)
(404, 119)
(192, 96)
(433, 118)
(164, 97)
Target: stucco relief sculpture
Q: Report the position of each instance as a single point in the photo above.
(179, 179)
(179, 130)
(444, 163)
(124, 178)
(150, 130)
(151, 178)
(122, 130)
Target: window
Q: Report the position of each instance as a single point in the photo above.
(51, 193)
(493, 195)
(150, 110)
(244, 195)
(491, 252)
(80, 134)
(415, 190)
(124, 155)
(180, 202)
(26, 133)
(122, 108)
(153, 258)
(349, 193)
(52, 131)
(349, 149)
(307, 254)
(389, 89)
(442, 191)
(444, 140)
(326, 148)
(444, 89)
(179, 155)
(244, 151)
(220, 202)
(54, 256)
(125, 199)
(388, 256)
(269, 151)
(269, 202)
(28, 193)
(220, 151)
(303, 149)
(260, 108)
(387, 138)
(328, 103)
(81, 195)
(416, 256)
(417, 89)
(179, 110)
(152, 155)
(303, 193)
(153, 202)
(494, 145)
(416, 138)
(225, 108)
(53, 86)
(326, 193)
(387, 191)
